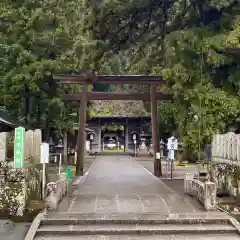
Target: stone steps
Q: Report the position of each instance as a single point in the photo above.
(134, 229)
(143, 237)
(59, 221)
(135, 226)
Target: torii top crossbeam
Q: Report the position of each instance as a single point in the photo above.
(91, 78)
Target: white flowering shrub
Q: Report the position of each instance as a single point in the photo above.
(12, 199)
(16, 190)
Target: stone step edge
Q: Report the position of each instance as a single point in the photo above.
(57, 221)
(162, 231)
(135, 237)
(173, 215)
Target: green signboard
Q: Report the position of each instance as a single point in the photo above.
(18, 147)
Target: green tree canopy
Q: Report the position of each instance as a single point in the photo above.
(37, 39)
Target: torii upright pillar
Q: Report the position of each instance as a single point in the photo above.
(81, 132)
(155, 135)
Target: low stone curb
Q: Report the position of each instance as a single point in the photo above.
(35, 225)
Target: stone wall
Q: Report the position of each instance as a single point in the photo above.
(225, 167)
(20, 185)
(32, 143)
(13, 190)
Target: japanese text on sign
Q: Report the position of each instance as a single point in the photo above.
(19, 147)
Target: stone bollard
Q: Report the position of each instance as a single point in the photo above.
(210, 196)
(188, 178)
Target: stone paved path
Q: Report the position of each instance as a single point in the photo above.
(13, 231)
(120, 184)
(120, 199)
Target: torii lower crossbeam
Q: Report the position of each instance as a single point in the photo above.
(114, 96)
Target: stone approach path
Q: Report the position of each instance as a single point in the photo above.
(120, 184)
(117, 188)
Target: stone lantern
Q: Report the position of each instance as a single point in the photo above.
(143, 147)
(59, 148)
(91, 138)
(162, 146)
(51, 144)
(134, 137)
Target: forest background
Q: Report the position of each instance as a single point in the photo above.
(194, 45)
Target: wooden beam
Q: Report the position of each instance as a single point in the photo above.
(119, 120)
(155, 135)
(114, 79)
(114, 96)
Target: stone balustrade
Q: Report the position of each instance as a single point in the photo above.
(226, 163)
(205, 192)
(226, 149)
(55, 192)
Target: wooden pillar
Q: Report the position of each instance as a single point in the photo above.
(81, 132)
(155, 135)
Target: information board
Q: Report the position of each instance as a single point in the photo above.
(44, 156)
(172, 143)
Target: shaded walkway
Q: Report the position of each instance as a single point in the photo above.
(119, 184)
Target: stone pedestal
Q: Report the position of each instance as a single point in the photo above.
(143, 148)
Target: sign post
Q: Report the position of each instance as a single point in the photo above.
(135, 147)
(171, 147)
(60, 164)
(44, 158)
(135, 143)
(19, 147)
(75, 157)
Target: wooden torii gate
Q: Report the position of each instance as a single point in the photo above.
(85, 96)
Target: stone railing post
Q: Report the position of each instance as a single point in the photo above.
(209, 195)
(164, 167)
(51, 199)
(55, 192)
(188, 178)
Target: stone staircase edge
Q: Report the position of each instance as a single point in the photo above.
(34, 227)
(235, 223)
